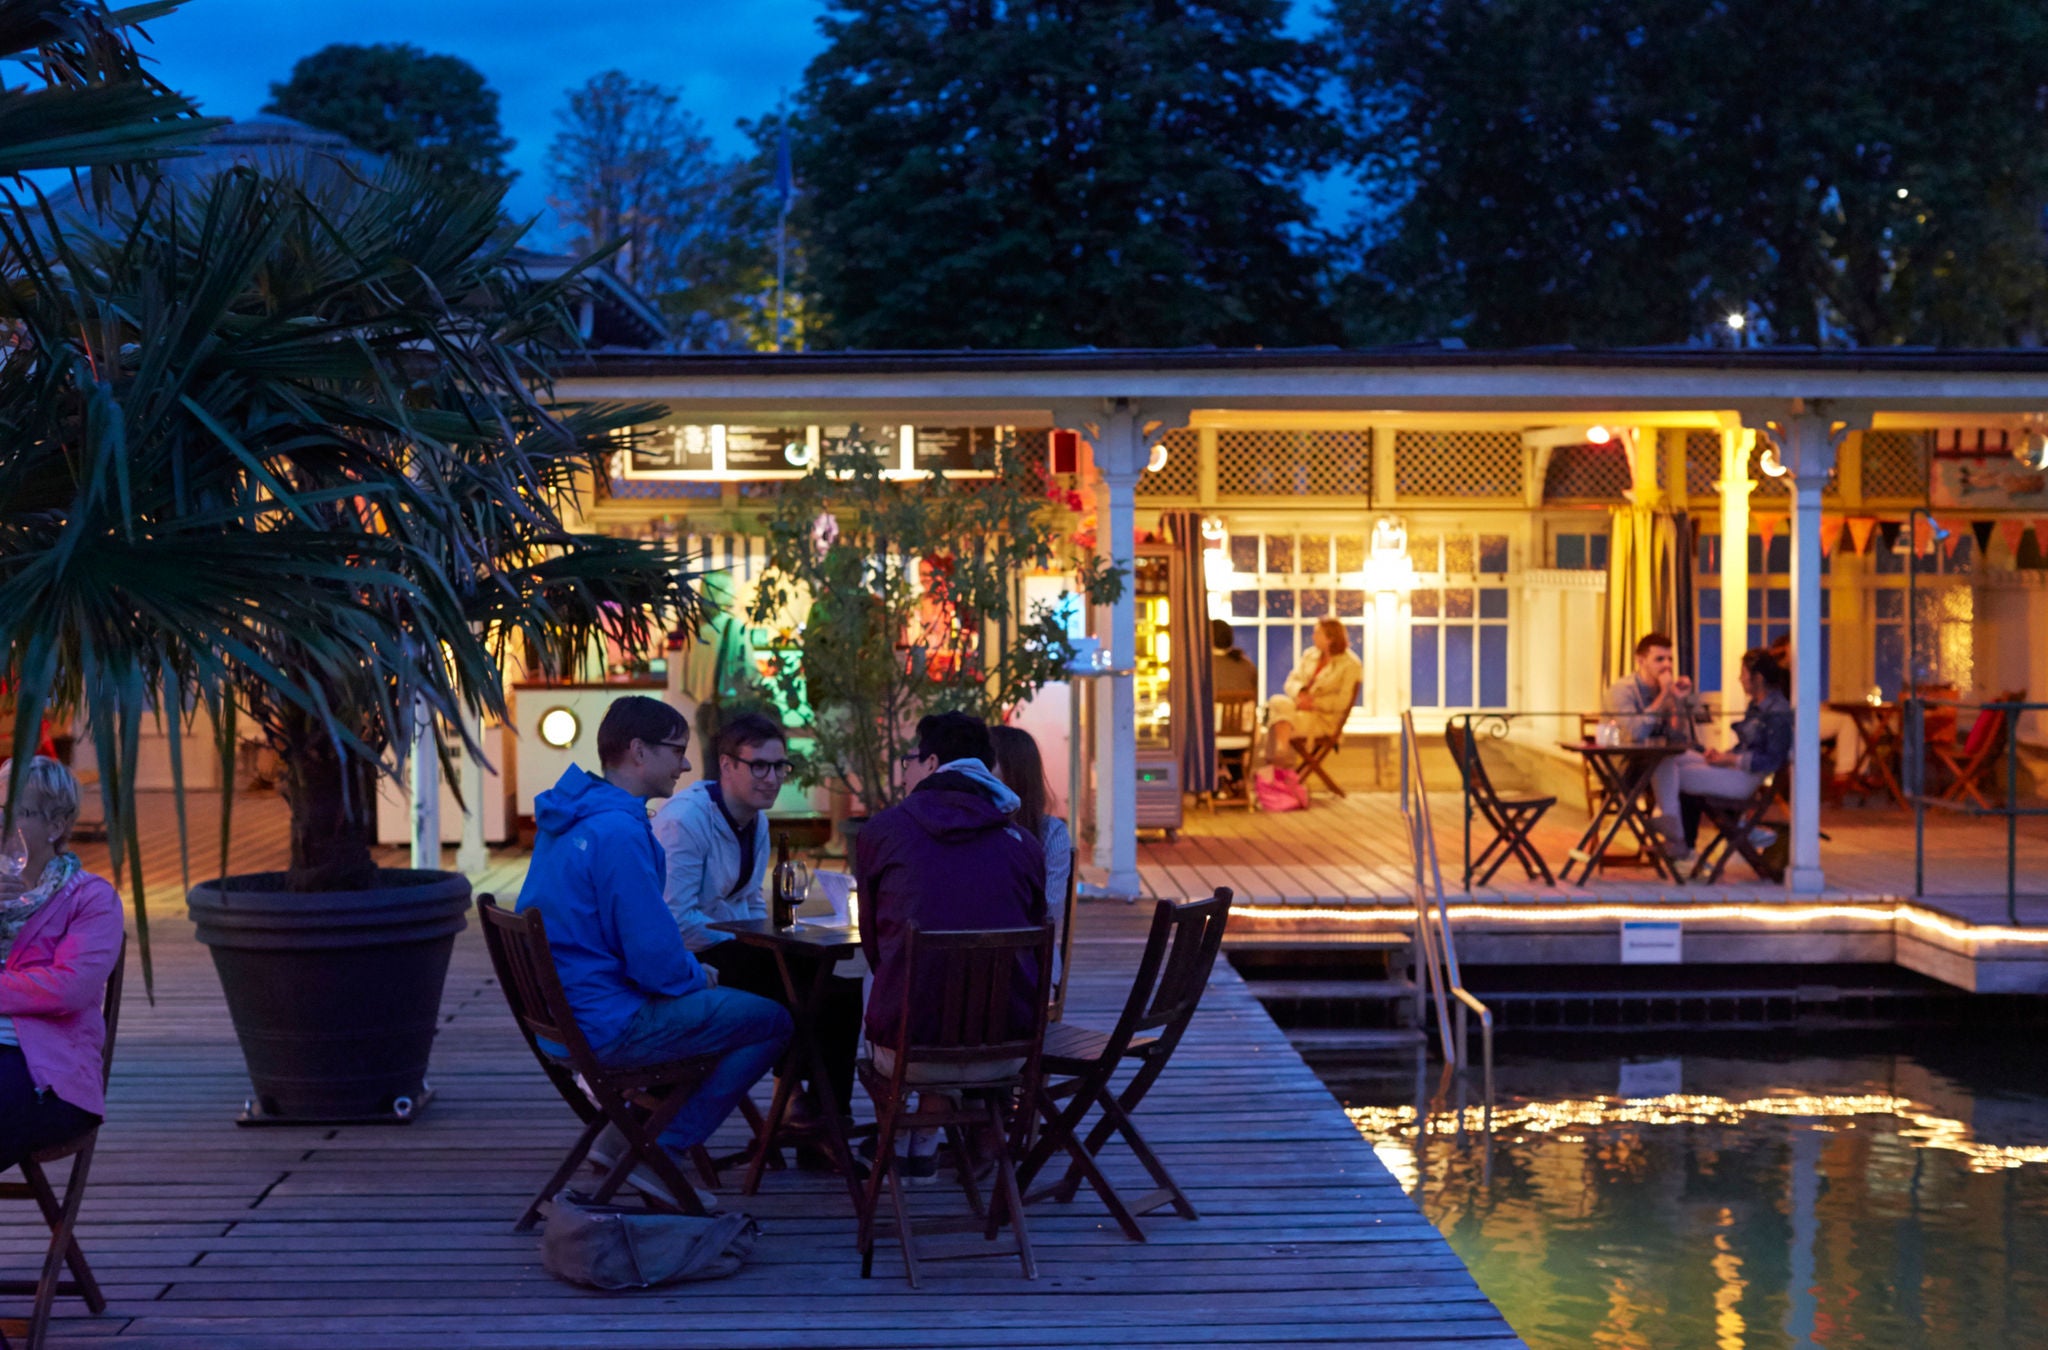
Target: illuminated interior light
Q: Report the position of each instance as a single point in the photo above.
(1158, 460)
(1598, 435)
(1769, 462)
(559, 728)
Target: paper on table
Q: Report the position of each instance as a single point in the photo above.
(837, 889)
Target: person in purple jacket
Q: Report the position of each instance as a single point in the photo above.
(60, 934)
(950, 855)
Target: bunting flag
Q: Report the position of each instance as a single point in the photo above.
(1950, 540)
(1982, 530)
(1766, 529)
(1923, 535)
(1888, 531)
(1860, 528)
(2014, 533)
(1830, 534)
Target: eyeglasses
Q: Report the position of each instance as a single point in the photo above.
(680, 747)
(913, 757)
(764, 769)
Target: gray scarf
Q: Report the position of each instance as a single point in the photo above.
(15, 913)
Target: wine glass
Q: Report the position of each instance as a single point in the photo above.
(793, 884)
(14, 855)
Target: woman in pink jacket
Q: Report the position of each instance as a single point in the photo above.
(60, 934)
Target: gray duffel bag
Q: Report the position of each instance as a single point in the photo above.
(612, 1247)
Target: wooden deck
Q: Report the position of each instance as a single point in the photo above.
(210, 1237)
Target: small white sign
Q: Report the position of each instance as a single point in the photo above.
(1651, 944)
(1651, 1078)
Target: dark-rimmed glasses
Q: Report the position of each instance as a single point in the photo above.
(765, 769)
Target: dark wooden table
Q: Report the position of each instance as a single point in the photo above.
(1624, 771)
(820, 947)
(1879, 731)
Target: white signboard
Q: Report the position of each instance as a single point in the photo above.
(1651, 944)
(1651, 1078)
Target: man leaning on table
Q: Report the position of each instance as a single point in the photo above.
(1655, 705)
(639, 996)
(715, 839)
(950, 855)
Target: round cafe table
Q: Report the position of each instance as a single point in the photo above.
(1624, 772)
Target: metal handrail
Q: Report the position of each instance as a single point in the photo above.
(1442, 982)
(1914, 761)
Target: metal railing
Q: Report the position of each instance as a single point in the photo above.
(1441, 984)
(1913, 756)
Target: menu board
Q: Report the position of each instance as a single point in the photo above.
(758, 449)
(949, 448)
(673, 449)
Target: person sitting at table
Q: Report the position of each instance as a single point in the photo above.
(60, 934)
(714, 837)
(950, 855)
(1834, 726)
(1234, 671)
(1323, 686)
(1022, 770)
(1655, 705)
(639, 996)
(1763, 742)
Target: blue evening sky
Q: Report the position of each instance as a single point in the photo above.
(731, 60)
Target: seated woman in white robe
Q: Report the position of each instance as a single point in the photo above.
(1324, 684)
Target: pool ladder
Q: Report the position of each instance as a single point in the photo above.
(1437, 949)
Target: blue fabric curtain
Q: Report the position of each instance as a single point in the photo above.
(1193, 689)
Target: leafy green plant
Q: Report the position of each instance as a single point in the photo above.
(914, 594)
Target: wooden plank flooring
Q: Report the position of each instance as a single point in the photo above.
(210, 1237)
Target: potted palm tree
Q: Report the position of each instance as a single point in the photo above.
(285, 456)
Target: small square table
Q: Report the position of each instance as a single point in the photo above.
(1881, 737)
(1624, 771)
(822, 946)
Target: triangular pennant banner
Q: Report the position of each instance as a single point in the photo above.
(2014, 533)
(1950, 539)
(1830, 534)
(1859, 533)
(1923, 535)
(1888, 530)
(1982, 530)
(1766, 530)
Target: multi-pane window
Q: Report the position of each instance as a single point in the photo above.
(1283, 583)
(1946, 621)
(1458, 621)
(1769, 611)
(1579, 550)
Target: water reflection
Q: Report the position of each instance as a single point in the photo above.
(1769, 1200)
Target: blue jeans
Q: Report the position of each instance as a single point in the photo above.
(747, 1033)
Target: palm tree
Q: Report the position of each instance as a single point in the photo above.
(287, 455)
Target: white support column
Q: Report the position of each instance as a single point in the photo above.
(1807, 438)
(1735, 486)
(1120, 458)
(472, 856)
(426, 790)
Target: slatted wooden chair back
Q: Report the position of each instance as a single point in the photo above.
(1066, 962)
(110, 1008)
(1180, 954)
(525, 965)
(1471, 768)
(1236, 714)
(1980, 751)
(979, 976)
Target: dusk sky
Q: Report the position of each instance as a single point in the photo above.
(731, 60)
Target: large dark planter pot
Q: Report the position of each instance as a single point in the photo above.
(334, 995)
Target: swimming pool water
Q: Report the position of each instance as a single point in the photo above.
(1738, 1196)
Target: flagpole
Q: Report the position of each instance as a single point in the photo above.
(781, 266)
(785, 190)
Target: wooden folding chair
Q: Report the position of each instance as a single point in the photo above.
(1736, 818)
(1313, 753)
(1980, 752)
(1066, 963)
(1236, 735)
(640, 1101)
(970, 1052)
(1510, 818)
(61, 1214)
(1179, 955)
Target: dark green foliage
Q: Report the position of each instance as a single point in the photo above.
(1049, 173)
(1612, 172)
(392, 98)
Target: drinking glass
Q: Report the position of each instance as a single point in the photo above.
(793, 884)
(14, 855)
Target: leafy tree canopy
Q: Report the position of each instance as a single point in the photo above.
(1611, 172)
(1047, 173)
(392, 98)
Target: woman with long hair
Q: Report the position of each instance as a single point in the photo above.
(1022, 770)
(1324, 684)
(1763, 743)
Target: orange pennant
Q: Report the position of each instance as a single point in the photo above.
(1950, 540)
(1860, 529)
(1766, 529)
(1923, 535)
(1830, 534)
(2013, 532)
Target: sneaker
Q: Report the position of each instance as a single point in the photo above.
(912, 1167)
(611, 1146)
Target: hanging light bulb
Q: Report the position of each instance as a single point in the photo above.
(1597, 435)
(2032, 450)
(1769, 462)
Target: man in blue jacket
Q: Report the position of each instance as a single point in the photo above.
(596, 877)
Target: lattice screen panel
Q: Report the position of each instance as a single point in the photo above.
(1458, 464)
(1895, 464)
(1702, 463)
(1293, 463)
(1587, 473)
(1181, 475)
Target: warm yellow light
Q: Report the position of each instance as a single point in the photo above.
(1769, 462)
(1598, 435)
(559, 727)
(1736, 321)
(1158, 460)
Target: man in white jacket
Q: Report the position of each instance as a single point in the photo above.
(716, 839)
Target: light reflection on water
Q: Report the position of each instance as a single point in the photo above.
(1858, 1200)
